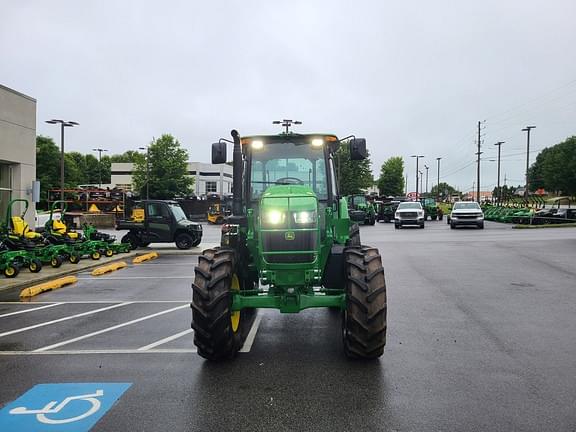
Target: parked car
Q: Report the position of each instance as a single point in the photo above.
(409, 213)
(466, 213)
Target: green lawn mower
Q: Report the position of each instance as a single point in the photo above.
(57, 233)
(288, 245)
(108, 241)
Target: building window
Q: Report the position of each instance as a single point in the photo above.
(211, 187)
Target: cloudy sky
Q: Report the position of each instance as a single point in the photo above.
(411, 77)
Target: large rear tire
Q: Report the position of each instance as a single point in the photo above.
(132, 240)
(364, 319)
(217, 330)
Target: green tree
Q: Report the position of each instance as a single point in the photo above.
(130, 156)
(391, 181)
(555, 168)
(353, 176)
(446, 191)
(74, 169)
(47, 165)
(168, 169)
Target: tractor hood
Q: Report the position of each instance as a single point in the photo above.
(288, 206)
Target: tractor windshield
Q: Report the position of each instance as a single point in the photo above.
(288, 164)
(358, 200)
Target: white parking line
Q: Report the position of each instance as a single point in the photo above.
(102, 351)
(165, 340)
(134, 277)
(251, 335)
(62, 319)
(29, 310)
(79, 338)
(111, 301)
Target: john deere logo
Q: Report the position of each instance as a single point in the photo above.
(289, 235)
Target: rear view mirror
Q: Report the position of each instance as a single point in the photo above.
(358, 149)
(219, 153)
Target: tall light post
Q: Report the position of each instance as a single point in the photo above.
(499, 144)
(421, 177)
(147, 171)
(99, 150)
(427, 168)
(417, 157)
(63, 124)
(438, 182)
(527, 129)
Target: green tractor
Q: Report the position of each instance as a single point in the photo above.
(431, 209)
(288, 245)
(360, 210)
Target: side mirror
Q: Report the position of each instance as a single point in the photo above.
(358, 149)
(219, 153)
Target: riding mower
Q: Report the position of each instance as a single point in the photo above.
(12, 261)
(19, 237)
(108, 241)
(57, 233)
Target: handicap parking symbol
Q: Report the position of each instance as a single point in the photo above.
(60, 407)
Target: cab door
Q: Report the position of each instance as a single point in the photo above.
(159, 222)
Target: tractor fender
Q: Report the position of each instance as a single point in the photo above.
(334, 272)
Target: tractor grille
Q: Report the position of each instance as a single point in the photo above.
(276, 241)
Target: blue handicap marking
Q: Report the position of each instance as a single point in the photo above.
(60, 407)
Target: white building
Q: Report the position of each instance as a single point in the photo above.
(17, 150)
(208, 178)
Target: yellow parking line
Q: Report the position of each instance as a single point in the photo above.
(145, 257)
(47, 286)
(108, 268)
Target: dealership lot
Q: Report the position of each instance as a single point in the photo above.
(482, 336)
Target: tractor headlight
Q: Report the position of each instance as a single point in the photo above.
(274, 217)
(305, 217)
(257, 144)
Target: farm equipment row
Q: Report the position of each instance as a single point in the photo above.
(21, 247)
(527, 215)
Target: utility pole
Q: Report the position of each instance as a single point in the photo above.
(478, 153)
(499, 144)
(527, 129)
(417, 157)
(99, 150)
(438, 183)
(427, 167)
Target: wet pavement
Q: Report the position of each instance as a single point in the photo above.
(481, 337)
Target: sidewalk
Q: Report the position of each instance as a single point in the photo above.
(10, 288)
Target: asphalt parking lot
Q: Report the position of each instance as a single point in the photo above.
(481, 337)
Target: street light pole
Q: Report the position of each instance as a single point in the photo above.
(147, 170)
(427, 167)
(499, 144)
(99, 150)
(63, 124)
(417, 157)
(421, 177)
(527, 129)
(438, 182)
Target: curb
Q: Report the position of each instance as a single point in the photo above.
(545, 226)
(145, 257)
(109, 268)
(47, 286)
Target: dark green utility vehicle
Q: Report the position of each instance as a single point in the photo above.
(160, 221)
(288, 245)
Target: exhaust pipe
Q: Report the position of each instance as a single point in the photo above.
(237, 175)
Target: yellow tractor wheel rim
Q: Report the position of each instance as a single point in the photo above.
(9, 271)
(54, 262)
(33, 266)
(235, 316)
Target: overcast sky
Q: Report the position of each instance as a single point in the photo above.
(412, 77)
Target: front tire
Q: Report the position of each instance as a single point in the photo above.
(217, 330)
(35, 266)
(354, 235)
(56, 261)
(364, 319)
(184, 241)
(131, 239)
(11, 271)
